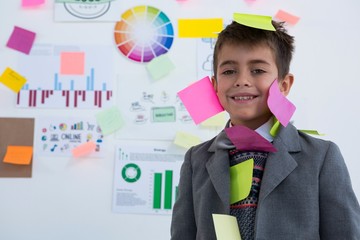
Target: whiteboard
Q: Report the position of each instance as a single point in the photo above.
(69, 198)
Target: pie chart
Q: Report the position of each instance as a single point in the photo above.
(143, 33)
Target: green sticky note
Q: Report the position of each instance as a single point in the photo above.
(109, 120)
(160, 66)
(240, 180)
(226, 227)
(255, 21)
(312, 132)
(275, 128)
(186, 140)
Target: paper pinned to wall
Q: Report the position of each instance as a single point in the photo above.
(21, 40)
(160, 66)
(12, 80)
(200, 28)
(110, 120)
(72, 63)
(21, 155)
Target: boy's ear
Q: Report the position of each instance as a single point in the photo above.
(286, 83)
(214, 83)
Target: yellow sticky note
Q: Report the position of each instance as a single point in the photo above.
(226, 227)
(12, 80)
(109, 120)
(255, 21)
(275, 128)
(72, 63)
(84, 149)
(219, 120)
(20, 155)
(186, 140)
(160, 66)
(240, 180)
(200, 28)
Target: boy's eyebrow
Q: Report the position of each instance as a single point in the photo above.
(253, 61)
(228, 62)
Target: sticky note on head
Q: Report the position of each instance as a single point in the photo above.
(254, 21)
(200, 100)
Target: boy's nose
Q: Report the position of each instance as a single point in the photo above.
(242, 80)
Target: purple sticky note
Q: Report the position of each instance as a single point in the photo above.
(246, 139)
(21, 40)
(279, 105)
(200, 100)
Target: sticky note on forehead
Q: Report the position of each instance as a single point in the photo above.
(254, 21)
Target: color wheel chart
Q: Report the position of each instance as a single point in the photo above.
(143, 33)
(47, 88)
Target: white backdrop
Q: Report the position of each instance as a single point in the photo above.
(71, 199)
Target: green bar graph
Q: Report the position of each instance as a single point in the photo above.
(157, 191)
(168, 189)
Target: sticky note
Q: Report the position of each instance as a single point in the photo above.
(219, 120)
(240, 180)
(83, 1)
(72, 63)
(109, 120)
(200, 28)
(160, 66)
(246, 139)
(226, 227)
(200, 100)
(84, 149)
(186, 140)
(12, 80)
(275, 128)
(32, 3)
(20, 155)
(287, 17)
(21, 40)
(312, 132)
(279, 105)
(255, 21)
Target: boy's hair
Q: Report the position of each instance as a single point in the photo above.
(281, 43)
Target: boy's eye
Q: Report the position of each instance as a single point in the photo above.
(257, 71)
(229, 72)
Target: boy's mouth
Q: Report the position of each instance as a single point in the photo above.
(243, 98)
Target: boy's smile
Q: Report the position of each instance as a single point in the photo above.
(244, 76)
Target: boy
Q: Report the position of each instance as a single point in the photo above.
(301, 191)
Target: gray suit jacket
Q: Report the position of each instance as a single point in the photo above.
(305, 193)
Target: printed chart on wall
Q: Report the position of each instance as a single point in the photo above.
(48, 87)
(58, 136)
(146, 179)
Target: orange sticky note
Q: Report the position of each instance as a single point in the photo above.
(287, 17)
(72, 63)
(12, 80)
(84, 149)
(21, 155)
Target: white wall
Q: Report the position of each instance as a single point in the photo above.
(67, 199)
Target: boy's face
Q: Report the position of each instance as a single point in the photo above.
(244, 76)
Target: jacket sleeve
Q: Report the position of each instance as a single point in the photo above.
(339, 208)
(183, 224)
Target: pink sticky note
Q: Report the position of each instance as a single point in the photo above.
(279, 105)
(200, 100)
(246, 139)
(72, 63)
(32, 3)
(84, 149)
(287, 17)
(21, 40)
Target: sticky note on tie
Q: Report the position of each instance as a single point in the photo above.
(84, 149)
(240, 180)
(20, 155)
(32, 3)
(200, 100)
(200, 28)
(186, 140)
(109, 120)
(279, 105)
(12, 80)
(254, 21)
(226, 227)
(287, 17)
(21, 40)
(160, 66)
(72, 63)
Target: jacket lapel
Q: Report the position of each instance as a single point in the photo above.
(281, 163)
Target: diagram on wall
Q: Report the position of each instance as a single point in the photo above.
(57, 136)
(143, 33)
(87, 10)
(47, 88)
(146, 179)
